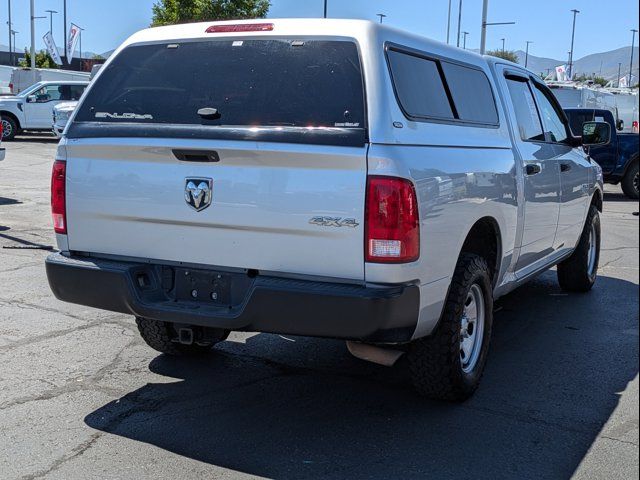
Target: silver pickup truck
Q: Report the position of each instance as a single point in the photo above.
(330, 178)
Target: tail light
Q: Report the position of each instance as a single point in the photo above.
(634, 126)
(11, 88)
(58, 196)
(1, 129)
(392, 224)
(241, 27)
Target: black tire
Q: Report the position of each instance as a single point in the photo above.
(630, 182)
(576, 274)
(435, 362)
(9, 128)
(161, 336)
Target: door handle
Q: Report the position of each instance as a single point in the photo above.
(565, 167)
(533, 169)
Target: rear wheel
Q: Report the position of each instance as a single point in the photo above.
(578, 273)
(165, 338)
(9, 128)
(630, 182)
(449, 364)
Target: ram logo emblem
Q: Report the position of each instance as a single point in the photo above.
(198, 193)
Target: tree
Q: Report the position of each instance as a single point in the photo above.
(43, 60)
(171, 12)
(504, 54)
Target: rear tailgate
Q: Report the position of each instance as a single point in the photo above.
(127, 197)
(278, 130)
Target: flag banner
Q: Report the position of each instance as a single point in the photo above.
(52, 48)
(561, 73)
(72, 41)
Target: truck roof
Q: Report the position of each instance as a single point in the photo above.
(363, 31)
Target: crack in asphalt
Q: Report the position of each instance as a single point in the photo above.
(75, 452)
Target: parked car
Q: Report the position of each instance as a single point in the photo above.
(32, 109)
(285, 197)
(62, 112)
(619, 158)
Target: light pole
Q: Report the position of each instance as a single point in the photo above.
(633, 44)
(325, 8)
(11, 45)
(459, 23)
(64, 38)
(13, 34)
(464, 40)
(449, 22)
(80, 39)
(526, 54)
(573, 34)
(33, 40)
(485, 24)
(51, 14)
(502, 44)
(382, 16)
(618, 80)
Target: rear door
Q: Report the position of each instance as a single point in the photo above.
(575, 169)
(232, 153)
(540, 168)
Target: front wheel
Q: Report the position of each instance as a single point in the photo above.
(630, 182)
(9, 128)
(578, 273)
(449, 364)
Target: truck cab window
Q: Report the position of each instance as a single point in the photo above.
(527, 117)
(553, 124)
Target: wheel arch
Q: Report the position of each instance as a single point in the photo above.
(6, 113)
(476, 242)
(597, 200)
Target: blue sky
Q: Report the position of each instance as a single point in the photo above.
(601, 26)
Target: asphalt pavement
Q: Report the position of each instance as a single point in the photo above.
(81, 396)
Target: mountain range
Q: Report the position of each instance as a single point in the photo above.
(603, 64)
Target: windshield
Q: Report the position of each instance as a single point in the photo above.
(249, 83)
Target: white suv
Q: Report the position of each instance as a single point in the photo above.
(331, 178)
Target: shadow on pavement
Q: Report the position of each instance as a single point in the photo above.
(303, 408)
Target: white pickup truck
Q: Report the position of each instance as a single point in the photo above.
(330, 178)
(32, 109)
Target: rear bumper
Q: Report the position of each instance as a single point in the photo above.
(384, 314)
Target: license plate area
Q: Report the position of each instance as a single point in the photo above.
(221, 289)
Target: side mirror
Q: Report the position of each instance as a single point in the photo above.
(620, 125)
(596, 133)
(32, 99)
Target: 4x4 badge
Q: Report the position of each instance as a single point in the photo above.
(198, 193)
(334, 222)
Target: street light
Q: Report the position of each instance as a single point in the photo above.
(449, 22)
(11, 45)
(573, 34)
(633, 44)
(459, 23)
(526, 54)
(51, 14)
(464, 40)
(382, 16)
(485, 24)
(80, 39)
